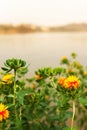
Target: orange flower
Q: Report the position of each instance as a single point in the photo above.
(72, 82)
(38, 77)
(61, 81)
(3, 112)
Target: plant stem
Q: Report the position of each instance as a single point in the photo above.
(72, 123)
(14, 101)
(20, 113)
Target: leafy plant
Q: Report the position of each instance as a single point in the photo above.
(53, 99)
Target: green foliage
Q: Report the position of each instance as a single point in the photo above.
(14, 64)
(41, 102)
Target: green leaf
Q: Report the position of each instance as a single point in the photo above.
(20, 97)
(75, 128)
(83, 101)
(18, 124)
(22, 94)
(5, 69)
(69, 128)
(10, 95)
(57, 128)
(9, 105)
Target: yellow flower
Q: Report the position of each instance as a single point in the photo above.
(85, 72)
(64, 60)
(4, 113)
(7, 78)
(72, 82)
(32, 86)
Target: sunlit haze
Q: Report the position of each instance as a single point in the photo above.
(43, 12)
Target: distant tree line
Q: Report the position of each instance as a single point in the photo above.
(30, 28)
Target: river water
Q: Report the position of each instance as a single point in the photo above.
(43, 49)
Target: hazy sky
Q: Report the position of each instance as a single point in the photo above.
(43, 12)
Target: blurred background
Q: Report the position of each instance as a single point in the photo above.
(42, 31)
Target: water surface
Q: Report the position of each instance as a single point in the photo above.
(43, 49)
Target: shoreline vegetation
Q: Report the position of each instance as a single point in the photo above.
(30, 28)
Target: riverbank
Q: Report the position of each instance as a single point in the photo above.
(30, 28)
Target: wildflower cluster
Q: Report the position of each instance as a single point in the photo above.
(58, 90)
